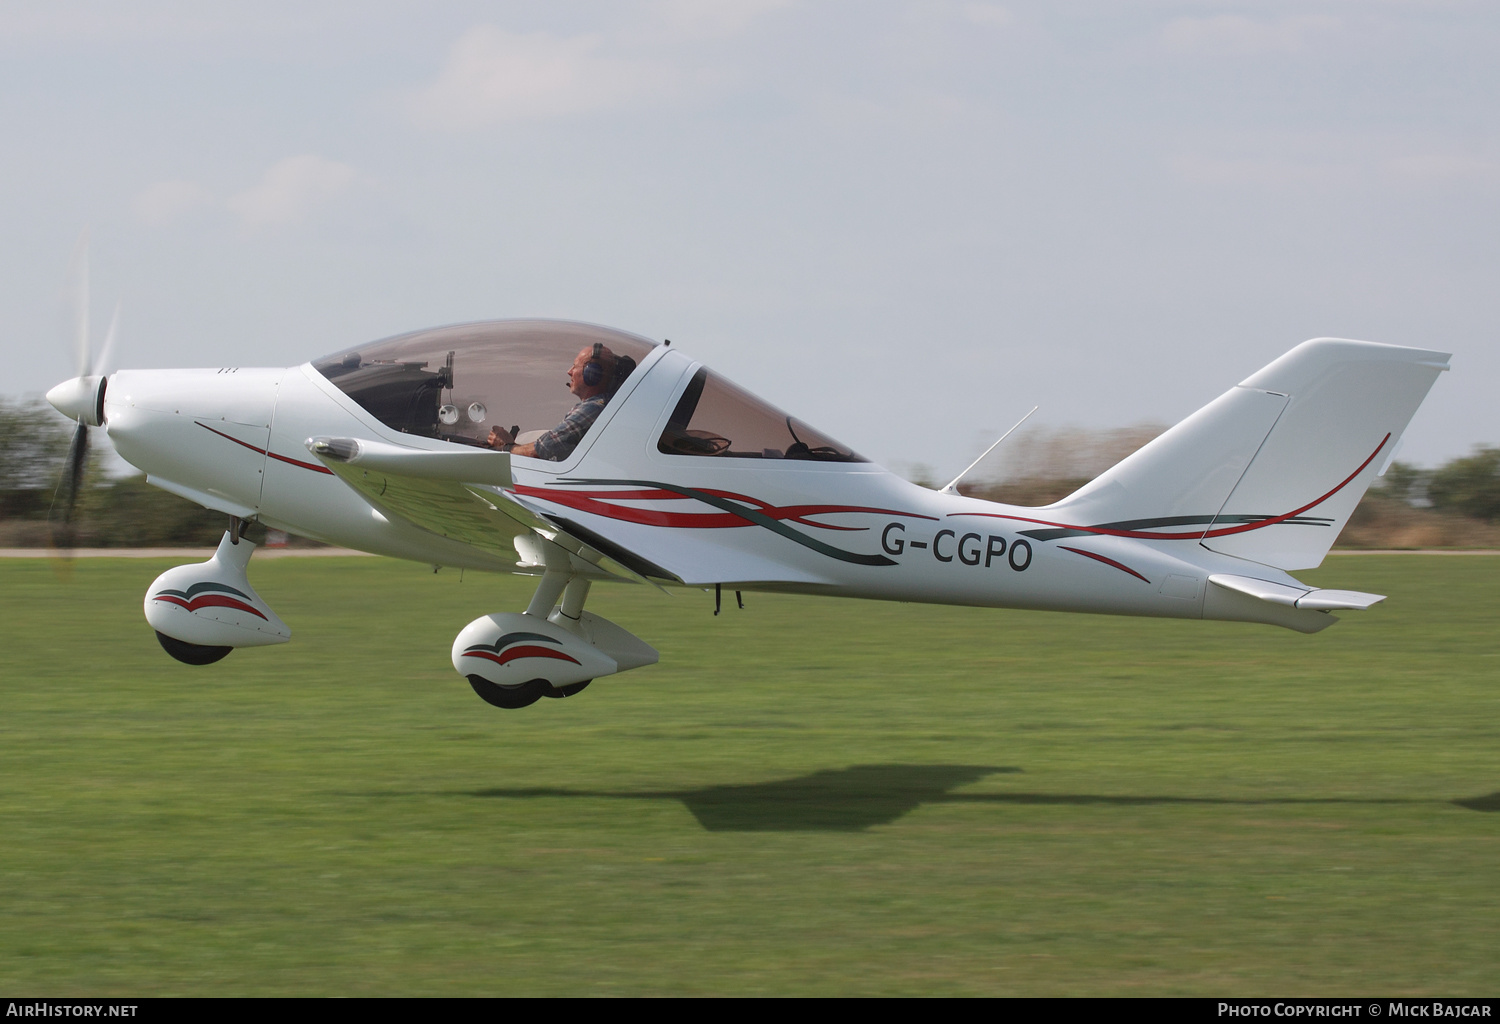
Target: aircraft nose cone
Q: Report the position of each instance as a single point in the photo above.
(78, 399)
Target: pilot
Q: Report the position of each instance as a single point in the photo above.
(594, 377)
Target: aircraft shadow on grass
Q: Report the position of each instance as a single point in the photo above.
(1482, 803)
(862, 796)
(834, 800)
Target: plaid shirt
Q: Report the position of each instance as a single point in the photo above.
(558, 443)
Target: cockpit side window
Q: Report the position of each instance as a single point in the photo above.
(715, 418)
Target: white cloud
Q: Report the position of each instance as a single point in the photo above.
(1443, 168)
(291, 190)
(167, 202)
(1237, 35)
(1258, 171)
(918, 109)
(493, 76)
(164, 20)
(1293, 161)
(49, 23)
(713, 17)
(987, 14)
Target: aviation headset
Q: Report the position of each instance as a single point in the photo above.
(594, 373)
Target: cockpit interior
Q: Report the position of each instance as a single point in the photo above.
(455, 383)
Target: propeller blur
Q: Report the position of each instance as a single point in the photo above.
(80, 399)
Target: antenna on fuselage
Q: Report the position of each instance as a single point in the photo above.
(952, 487)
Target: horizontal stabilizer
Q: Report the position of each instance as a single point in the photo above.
(1331, 600)
(1296, 597)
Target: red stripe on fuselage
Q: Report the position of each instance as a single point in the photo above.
(1106, 561)
(269, 454)
(601, 503)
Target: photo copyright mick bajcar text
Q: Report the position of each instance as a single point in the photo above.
(1388, 1008)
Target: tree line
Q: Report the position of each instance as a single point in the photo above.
(1468, 486)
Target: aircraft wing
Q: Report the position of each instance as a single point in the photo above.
(468, 495)
(460, 495)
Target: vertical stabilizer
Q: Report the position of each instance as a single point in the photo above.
(1271, 470)
(1348, 403)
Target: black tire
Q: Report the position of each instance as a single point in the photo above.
(190, 654)
(510, 697)
(566, 691)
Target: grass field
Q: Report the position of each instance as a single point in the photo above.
(806, 797)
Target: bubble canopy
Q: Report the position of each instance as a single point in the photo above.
(455, 383)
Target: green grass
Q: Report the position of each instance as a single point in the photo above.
(809, 796)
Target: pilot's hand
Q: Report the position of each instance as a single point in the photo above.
(499, 437)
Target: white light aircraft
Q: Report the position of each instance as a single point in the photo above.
(683, 479)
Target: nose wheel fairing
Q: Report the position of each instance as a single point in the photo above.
(209, 606)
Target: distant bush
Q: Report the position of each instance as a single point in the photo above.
(1027, 491)
(1470, 485)
(130, 513)
(1040, 465)
(33, 447)
(1405, 483)
(1384, 522)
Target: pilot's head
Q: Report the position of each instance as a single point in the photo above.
(593, 372)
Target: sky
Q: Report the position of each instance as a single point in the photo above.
(906, 223)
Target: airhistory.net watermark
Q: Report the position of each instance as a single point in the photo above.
(68, 1008)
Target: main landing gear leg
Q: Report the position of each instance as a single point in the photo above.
(569, 618)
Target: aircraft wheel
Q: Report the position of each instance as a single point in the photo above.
(509, 697)
(566, 691)
(190, 654)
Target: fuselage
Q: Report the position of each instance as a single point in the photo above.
(236, 439)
